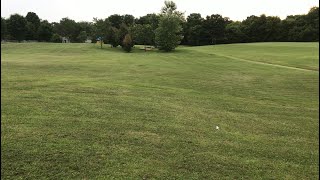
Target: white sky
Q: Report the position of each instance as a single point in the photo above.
(85, 10)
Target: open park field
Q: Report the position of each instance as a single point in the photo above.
(75, 111)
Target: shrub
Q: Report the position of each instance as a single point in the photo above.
(127, 43)
(56, 38)
(113, 37)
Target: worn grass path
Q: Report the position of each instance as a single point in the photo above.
(263, 63)
(74, 111)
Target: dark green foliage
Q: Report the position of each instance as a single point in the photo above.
(151, 19)
(301, 27)
(127, 43)
(214, 26)
(3, 28)
(128, 19)
(194, 34)
(272, 31)
(234, 32)
(214, 29)
(86, 26)
(113, 37)
(312, 19)
(143, 34)
(82, 36)
(56, 38)
(33, 18)
(116, 20)
(68, 28)
(17, 27)
(33, 23)
(194, 30)
(262, 29)
(45, 31)
(93, 40)
(32, 31)
(122, 32)
(255, 28)
(101, 28)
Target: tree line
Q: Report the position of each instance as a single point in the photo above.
(166, 29)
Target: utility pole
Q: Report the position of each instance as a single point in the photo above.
(100, 42)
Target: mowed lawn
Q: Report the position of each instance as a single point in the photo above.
(74, 111)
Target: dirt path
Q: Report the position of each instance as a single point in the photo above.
(263, 63)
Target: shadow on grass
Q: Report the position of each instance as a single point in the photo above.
(136, 49)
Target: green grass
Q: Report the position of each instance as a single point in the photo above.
(74, 111)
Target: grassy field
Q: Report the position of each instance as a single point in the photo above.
(74, 111)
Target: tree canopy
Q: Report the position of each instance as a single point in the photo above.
(17, 27)
(166, 29)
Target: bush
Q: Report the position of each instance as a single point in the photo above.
(93, 40)
(127, 43)
(113, 37)
(56, 38)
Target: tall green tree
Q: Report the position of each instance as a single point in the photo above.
(32, 31)
(82, 36)
(17, 27)
(151, 19)
(169, 8)
(260, 29)
(123, 30)
(143, 34)
(286, 26)
(33, 18)
(312, 19)
(127, 43)
(113, 37)
(101, 29)
(116, 20)
(3, 28)
(214, 26)
(272, 31)
(234, 33)
(194, 30)
(33, 23)
(128, 20)
(45, 31)
(169, 33)
(68, 28)
(85, 26)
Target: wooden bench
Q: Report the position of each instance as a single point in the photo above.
(147, 48)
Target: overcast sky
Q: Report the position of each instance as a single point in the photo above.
(85, 10)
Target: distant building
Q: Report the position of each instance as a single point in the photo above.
(65, 40)
(88, 41)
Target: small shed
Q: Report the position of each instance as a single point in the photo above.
(65, 40)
